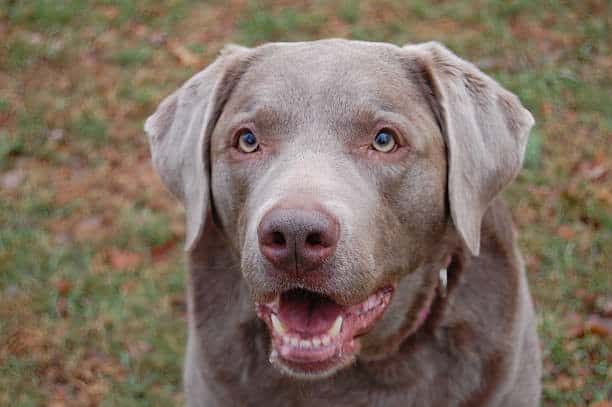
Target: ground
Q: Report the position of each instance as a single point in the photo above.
(92, 309)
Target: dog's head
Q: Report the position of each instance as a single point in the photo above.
(333, 168)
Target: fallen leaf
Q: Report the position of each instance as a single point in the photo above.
(595, 170)
(88, 228)
(566, 232)
(606, 309)
(110, 12)
(160, 251)
(138, 348)
(157, 38)
(564, 382)
(12, 179)
(185, 56)
(128, 287)
(576, 325)
(123, 259)
(599, 325)
(63, 286)
(56, 135)
(61, 307)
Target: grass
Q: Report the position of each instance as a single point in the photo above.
(91, 270)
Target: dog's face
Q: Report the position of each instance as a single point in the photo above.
(333, 185)
(327, 168)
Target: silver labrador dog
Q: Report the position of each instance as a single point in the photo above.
(346, 242)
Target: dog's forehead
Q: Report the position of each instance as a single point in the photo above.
(331, 74)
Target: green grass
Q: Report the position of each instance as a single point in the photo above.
(289, 24)
(92, 314)
(133, 56)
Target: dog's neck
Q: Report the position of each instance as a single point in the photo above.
(441, 291)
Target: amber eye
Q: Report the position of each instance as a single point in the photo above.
(247, 142)
(384, 141)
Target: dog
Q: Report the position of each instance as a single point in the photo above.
(346, 242)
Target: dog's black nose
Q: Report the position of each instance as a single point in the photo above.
(298, 238)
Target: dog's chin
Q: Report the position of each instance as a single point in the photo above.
(312, 336)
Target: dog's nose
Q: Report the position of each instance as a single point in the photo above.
(296, 238)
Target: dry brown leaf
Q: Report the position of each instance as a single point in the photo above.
(12, 179)
(123, 259)
(564, 382)
(606, 308)
(184, 56)
(88, 228)
(63, 286)
(566, 232)
(598, 325)
(61, 307)
(159, 252)
(138, 348)
(576, 325)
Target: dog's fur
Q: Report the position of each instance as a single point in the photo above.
(314, 107)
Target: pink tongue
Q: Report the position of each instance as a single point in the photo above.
(307, 312)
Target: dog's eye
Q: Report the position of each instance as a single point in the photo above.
(384, 141)
(247, 142)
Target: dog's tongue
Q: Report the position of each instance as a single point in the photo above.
(307, 313)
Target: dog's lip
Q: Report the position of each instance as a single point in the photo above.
(316, 354)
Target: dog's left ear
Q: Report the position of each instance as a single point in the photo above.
(485, 129)
(179, 134)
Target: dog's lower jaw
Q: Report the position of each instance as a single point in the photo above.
(299, 373)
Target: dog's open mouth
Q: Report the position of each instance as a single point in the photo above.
(313, 336)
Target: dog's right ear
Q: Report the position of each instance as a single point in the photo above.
(179, 134)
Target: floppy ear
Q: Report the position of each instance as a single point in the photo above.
(179, 135)
(485, 129)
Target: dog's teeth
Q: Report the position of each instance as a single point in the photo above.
(278, 325)
(336, 327)
(325, 340)
(305, 343)
(294, 341)
(316, 342)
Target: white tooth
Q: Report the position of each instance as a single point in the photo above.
(336, 327)
(316, 342)
(294, 341)
(304, 343)
(278, 325)
(325, 340)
